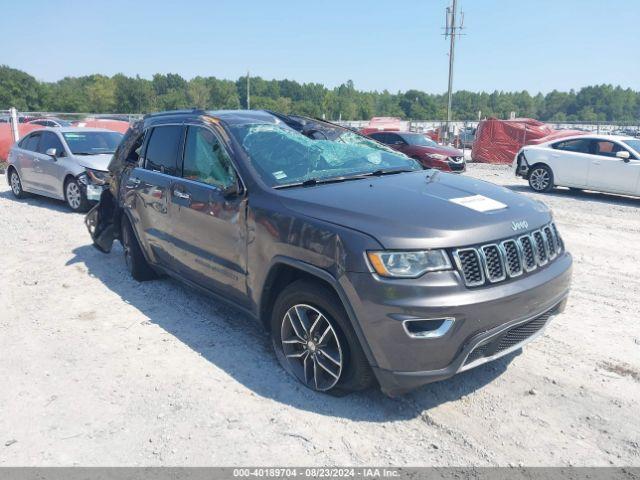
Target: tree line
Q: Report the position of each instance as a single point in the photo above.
(123, 94)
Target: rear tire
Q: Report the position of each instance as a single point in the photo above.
(75, 197)
(541, 178)
(16, 184)
(137, 265)
(314, 341)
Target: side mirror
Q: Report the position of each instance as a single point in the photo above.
(52, 152)
(623, 155)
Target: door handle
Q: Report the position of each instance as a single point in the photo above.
(134, 182)
(596, 162)
(183, 195)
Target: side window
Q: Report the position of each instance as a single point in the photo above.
(606, 148)
(380, 137)
(31, 142)
(206, 160)
(394, 139)
(50, 140)
(579, 145)
(162, 150)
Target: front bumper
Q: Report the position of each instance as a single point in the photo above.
(93, 192)
(481, 316)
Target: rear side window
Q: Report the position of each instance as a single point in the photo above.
(580, 145)
(162, 150)
(50, 140)
(31, 142)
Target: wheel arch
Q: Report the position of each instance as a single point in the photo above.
(285, 270)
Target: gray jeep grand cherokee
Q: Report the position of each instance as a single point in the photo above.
(362, 266)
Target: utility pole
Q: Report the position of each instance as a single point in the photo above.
(248, 91)
(451, 31)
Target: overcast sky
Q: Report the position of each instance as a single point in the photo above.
(537, 45)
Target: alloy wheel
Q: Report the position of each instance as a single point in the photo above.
(74, 196)
(15, 184)
(311, 347)
(539, 179)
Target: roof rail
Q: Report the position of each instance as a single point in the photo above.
(175, 112)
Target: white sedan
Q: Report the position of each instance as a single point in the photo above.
(606, 163)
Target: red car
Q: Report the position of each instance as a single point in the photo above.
(426, 151)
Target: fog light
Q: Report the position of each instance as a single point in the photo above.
(428, 328)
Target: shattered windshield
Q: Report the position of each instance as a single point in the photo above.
(284, 156)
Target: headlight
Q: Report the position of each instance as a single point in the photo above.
(408, 264)
(97, 177)
(437, 156)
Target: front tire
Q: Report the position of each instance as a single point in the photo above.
(16, 184)
(314, 341)
(541, 178)
(137, 265)
(75, 196)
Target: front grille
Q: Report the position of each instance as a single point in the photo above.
(471, 267)
(510, 258)
(511, 337)
(529, 256)
(540, 247)
(456, 167)
(494, 263)
(513, 260)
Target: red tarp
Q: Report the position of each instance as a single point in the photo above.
(115, 125)
(388, 124)
(498, 141)
(6, 137)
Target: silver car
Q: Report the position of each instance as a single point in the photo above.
(68, 163)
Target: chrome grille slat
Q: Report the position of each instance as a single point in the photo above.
(470, 265)
(494, 268)
(540, 247)
(510, 258)
(551, 242)
(528, 253)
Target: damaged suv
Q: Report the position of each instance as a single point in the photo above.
(363, 266)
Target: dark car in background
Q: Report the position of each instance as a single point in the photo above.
(361, 265)
(429, 153)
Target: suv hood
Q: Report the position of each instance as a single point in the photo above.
(95, 162)
(415, 210)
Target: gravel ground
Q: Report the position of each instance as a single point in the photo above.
(96, 369)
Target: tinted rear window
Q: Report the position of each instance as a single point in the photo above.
(581, 145)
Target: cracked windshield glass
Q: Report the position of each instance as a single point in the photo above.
(284, 157)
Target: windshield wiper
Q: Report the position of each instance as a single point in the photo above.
(316, 181)
(388, 171)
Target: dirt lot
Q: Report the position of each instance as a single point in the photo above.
(96, 369)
